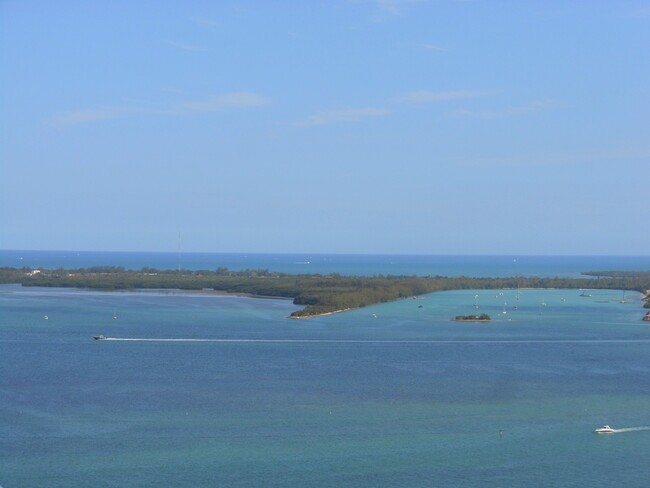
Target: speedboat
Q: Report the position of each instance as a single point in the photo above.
(605, 429)
(99, 337)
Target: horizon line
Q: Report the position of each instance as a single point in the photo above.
(306, 253)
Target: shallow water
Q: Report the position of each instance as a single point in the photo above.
(427, 412)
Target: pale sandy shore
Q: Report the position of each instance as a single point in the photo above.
(320, 314)
(204, 292)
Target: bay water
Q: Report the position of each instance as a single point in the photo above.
(390, 395)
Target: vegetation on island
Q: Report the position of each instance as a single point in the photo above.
(318, 294)
(473, 318)
(618, 274)
(638, 277)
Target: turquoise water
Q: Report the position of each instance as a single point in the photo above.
(349, 264)
(389, 395)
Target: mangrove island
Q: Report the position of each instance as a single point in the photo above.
(318, 294)
(473, 318)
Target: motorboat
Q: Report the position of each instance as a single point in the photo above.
(99, 337)
(605, 429)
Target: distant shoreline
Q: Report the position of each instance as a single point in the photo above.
(364, 264)
(319, 295)
(219, 293)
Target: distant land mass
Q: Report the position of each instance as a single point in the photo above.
(318, 294)
(618, 274)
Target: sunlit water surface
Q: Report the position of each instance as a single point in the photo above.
(390, 395)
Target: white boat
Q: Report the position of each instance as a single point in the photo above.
(605, 429)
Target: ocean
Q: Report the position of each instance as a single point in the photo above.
(346, 264)
(395, 394)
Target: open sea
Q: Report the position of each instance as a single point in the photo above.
(346, 264)
(224, 391)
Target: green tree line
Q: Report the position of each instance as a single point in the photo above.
(315, 292)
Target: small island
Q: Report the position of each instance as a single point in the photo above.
(473, 318)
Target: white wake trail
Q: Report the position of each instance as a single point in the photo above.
(631, 429)
(379, 341)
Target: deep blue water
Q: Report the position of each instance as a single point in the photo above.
(389, 395)
(349, 264)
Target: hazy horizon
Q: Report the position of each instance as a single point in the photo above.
(307, 253)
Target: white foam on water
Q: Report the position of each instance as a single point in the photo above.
(378, 341)
(631, 429)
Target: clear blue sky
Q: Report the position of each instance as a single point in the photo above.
(343, 126)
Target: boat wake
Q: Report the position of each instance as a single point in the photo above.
(379, 341)
(631, 429)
